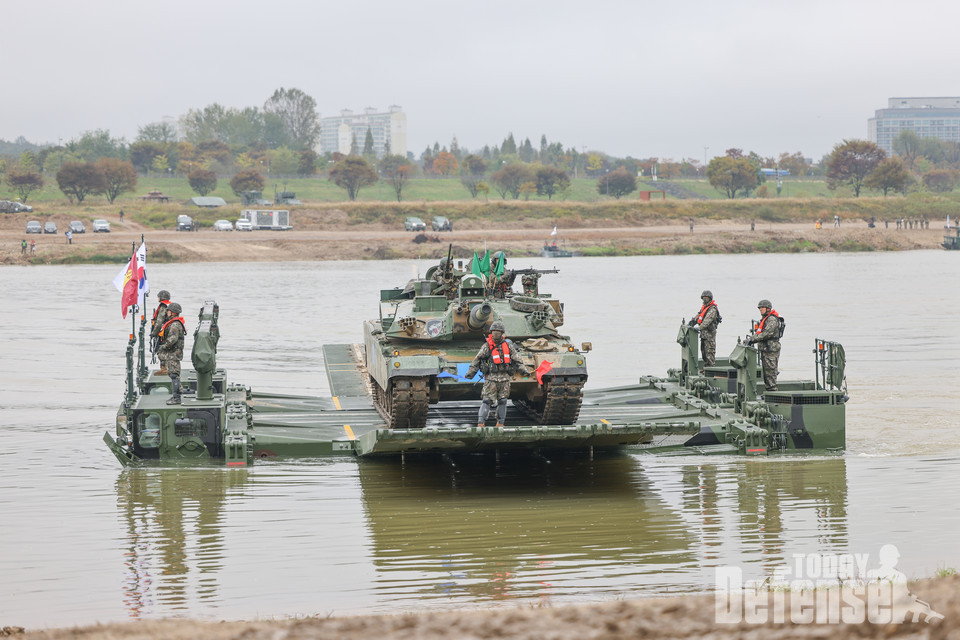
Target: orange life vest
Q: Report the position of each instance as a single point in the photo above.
(500, 353)
(760, 326)
(703, 310)
(177, 319)
(163, 305)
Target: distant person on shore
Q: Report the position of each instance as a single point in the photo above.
(818, 225)
(69, 235)
(121, 215)
(691, 225)
(23, 247)
(886, 224)
(753, 225)
(33, 245)
(836, 221)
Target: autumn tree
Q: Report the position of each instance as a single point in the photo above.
(202, 181)
(353, 173)
(940, 180)
(79, 179)
(298, 112)
(24, 182)
(551, 181)
(397, 171)
(795, 163)
(471, 173)
(119, 177)
(445, 164)
(617, 183)
(889, 175)
(283, 161)
(143, 152)
(306, 162)
(510, 178)
(907, 146)
(732, 175)
(247, 180)
(851, 161)
(161, 132)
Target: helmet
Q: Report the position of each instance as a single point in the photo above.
(498, 326)
(496, 257)
(444, 262)
(765, 303)
(707, 294)
(174, 308)
(163, 295)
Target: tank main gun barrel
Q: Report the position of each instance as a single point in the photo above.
(479, 315)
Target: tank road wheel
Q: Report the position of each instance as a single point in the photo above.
(404, 403)
(561, 403)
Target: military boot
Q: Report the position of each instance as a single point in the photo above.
(174, 389)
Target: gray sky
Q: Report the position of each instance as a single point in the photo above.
(638, 78)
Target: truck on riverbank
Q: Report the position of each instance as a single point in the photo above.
(271, 219)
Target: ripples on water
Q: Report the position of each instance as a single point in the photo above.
(85, 541)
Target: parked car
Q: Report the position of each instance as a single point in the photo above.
(49, 227)
(184, 223)
(77, 227)
(414, 224)
(441, 223)
(34, 227)
(244, 225)
(223, 225)
(101, 226)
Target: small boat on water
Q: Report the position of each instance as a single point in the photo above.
(552, 249)
(952, 243)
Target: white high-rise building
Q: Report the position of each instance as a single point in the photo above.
(338, 132)
(927, 117)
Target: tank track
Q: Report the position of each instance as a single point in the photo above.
(404, 405)
(560, 406)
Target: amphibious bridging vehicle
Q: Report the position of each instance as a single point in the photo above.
(693, 409)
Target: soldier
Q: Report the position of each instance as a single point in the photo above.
(498, 360)
(767, 338)
(170, 351)
(159, 317)
(531, 284)
(706, 323)
(500, 286)
(447, 279)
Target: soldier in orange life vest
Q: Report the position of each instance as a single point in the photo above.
(159, 317)
(498, 360)
(170, 351)
(706, 323)
(767, 338)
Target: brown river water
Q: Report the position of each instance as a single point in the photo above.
(82, 540)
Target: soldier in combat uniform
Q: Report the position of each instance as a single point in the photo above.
(500, 286)
(706, 323)
(498, 360)
(170, 351)
(767, 338)
(159, 317)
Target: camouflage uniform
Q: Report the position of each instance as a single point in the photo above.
(708, 333)
(768, 344)
(531, 284)
(170, 352)
(500, 286)
(496, 383)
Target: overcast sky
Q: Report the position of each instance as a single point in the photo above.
(628, 77)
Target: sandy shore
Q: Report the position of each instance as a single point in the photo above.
(327, 238)
(679, 617)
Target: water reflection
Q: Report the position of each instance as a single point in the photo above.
(174, 547)
(491, 530)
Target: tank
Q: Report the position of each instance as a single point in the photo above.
(417, 352)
